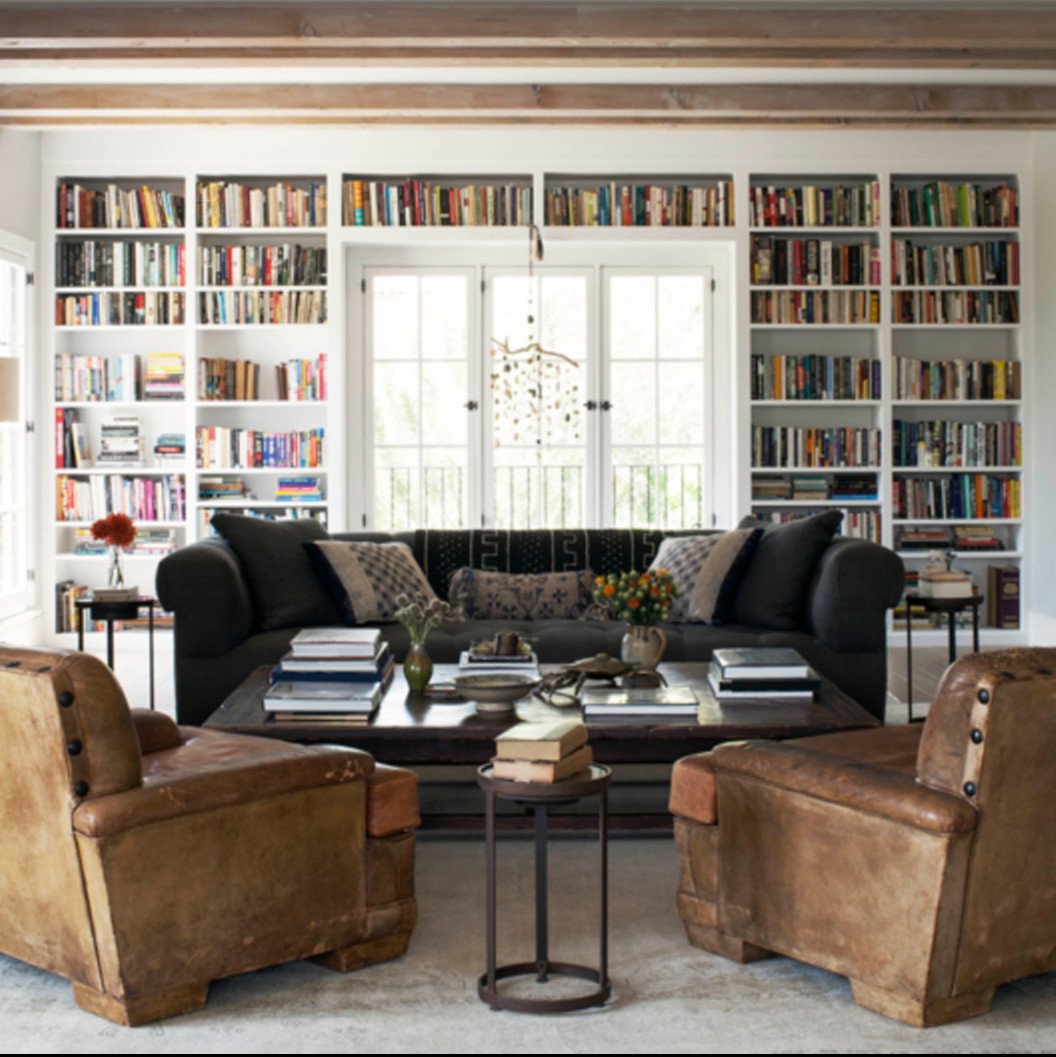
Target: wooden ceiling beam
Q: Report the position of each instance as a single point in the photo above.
(818, 105)
(666, 34)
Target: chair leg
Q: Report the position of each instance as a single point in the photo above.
(144, 1009)
(370, 952)
(921, 1013)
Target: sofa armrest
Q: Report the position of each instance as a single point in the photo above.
(203, 585)
(155, 731)
(854, 585)
(864, 787)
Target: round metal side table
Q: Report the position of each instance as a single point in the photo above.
(540, 797)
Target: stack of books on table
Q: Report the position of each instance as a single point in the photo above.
(493, 664)
(542, 752)
(944, 583)
(777, 673)
(679, 703)
(331, 674)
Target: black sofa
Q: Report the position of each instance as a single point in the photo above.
(841, 632)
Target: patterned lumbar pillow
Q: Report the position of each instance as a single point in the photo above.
(525, 596)
(706, 570)
(365, 578)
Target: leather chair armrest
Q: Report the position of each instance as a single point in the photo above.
(155, 730)
(864, 787)
(229, 782)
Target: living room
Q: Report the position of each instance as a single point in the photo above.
(139, 133)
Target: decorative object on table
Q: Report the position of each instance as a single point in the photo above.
(495, 691)
(419, 616)
(938, 580)
(542, 752)
(563, 687)
(118, 532)
(535, 392)
(642, 600)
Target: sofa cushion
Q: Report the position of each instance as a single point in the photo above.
(286, 592)
(364, 579)
(525, 596)
(773, 592)
(707, 571)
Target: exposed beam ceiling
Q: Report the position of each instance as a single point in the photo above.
(528, 47)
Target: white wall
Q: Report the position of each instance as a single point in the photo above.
(20, 166)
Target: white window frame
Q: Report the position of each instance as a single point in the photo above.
(21, 597)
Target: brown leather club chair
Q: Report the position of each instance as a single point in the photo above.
(919, 861)
(142, 860)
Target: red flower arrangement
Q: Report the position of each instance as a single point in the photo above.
(116, 529)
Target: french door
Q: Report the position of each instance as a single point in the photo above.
(582, 395)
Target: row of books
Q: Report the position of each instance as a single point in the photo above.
(149, 542)
(813, 262)
(939, 443)
(946, 205)
(815, 306)
(641, 205)
(96, 379)
(163, 378)
(957, 379)
(205, 515)
(810, 206)
(141, 498)
(113, 207)
(971, 538)
(241, 307)
(813, 487)
(812, 377)
(229, 204)
(994, 263)
(955, 306)
(302, 379)
(220, 448)
(288, 264)
(859, 524)
(113, 308)
(815, 446)
(296, 380)
(97, 263)
(424, 203)
(964, 495)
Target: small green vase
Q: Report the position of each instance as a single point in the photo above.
(417, 668)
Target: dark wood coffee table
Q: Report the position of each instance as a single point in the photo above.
(411, 729)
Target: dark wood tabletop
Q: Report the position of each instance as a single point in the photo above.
(409, 728)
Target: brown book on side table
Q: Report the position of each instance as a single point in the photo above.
(542, 752)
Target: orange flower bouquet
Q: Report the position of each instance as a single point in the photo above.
(638, 598)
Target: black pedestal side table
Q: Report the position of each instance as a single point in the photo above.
(540, 797)
(951, 607)
(111, 611)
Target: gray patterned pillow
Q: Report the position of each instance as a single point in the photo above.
(527, 596)
(365, 578)
(706, 570)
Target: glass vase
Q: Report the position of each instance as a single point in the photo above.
(115, 576)
(417, 668)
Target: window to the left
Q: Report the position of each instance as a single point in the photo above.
(15, 489)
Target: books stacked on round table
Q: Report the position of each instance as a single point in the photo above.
(331, 674)
(775, 673)
(542, 752)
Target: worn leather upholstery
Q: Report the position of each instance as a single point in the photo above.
(142, 860)
(928, 885)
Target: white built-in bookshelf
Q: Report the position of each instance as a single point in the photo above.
(879, 344)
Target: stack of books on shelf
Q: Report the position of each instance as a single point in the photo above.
(1002, 596)
(298, 490)
(170, 448)
(641, 205)
(120, 442)
(946, 205)
(771, 488)
(675, 703)
(221, 488)
(119, 309)
(809, 487)
(422, 203)
(854, 486)
(96, 378)
(141, 498)
(957, 379)
(164, 376)
(221, 448)
(813, 377)
(976, 538)
(542, 752)
(758, 673)
(228, 204)
(944, 583)
(241, 265)
(811, 206)
(831, 306)
(815, 446)
(220, 379)
(331, 673)
(925, 538)
(813, 262)
(302, 379)
(94, 262)
(994, 263)
(247, 307)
